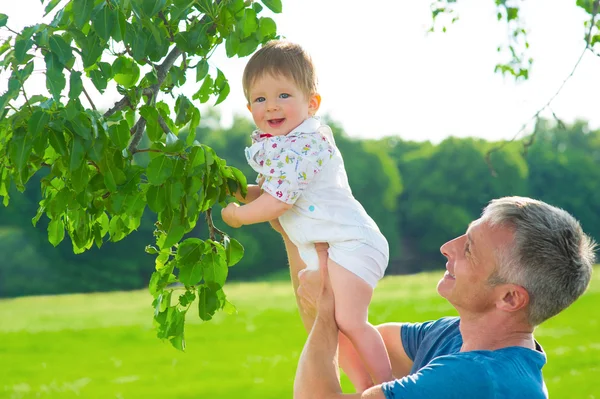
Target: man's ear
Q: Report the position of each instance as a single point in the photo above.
(314, 102)
(514, 297)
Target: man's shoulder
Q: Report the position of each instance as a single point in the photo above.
(442, 326)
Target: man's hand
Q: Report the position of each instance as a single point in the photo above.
(314, 288)
(228, 215)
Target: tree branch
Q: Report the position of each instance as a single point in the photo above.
(161, 74)
(163, 125)
(547, 105)
(88, 97)
(119, 105)
(211, 226)
(588, 38)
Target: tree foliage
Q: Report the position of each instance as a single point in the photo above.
(103, 170)
(515, 50)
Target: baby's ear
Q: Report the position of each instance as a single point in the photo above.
(249, 107)
(314, 102)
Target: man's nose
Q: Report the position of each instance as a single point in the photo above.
(448, 248)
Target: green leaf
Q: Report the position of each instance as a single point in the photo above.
(37, 122)
(20, 148)
(152, 7)
(80, 178)
(113, 175)
(77, 153)
(175, 232)
(205, 90)
(120, 27)
(61, 49)
(138, 40)
(174, 194)
(22, 46)
(187, 298)
(119, 135)
(249, 24)
(92, 49)
(223, 92)
(153, 128)
(267, 27)
(56, 231)
(55, 82)
(232, 44)
(99, 80)
(81, 125)
(57, 141)
(159, 170)
(103, 22)
(208, 302)
(273, 5)
(247, 46)
(190, 252)
(235, 251)
(51, 5)
(215, 267)
(156, 197)
(126, 72)
(3, 20)
(188, 258)
(173, 143)
(194, 122)
(201, 69)
(257, 7)
(182, 106)
(82, 12)
(75, 85)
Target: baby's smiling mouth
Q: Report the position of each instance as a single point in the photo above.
(275, 122)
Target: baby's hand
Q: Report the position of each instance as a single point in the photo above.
(228, 215)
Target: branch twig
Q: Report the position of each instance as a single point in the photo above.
(211, 226)
(547, 105)
(119, 105)
(161, 15)
(161, 73)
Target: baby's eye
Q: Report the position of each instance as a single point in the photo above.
(259, 99)
(284, 95)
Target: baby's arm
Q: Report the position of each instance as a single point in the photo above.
(253, 193)
(263, 209)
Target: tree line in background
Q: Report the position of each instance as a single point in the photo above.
(420, 194)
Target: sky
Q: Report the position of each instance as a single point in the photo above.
(381, 73)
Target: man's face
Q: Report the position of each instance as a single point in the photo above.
(471, 262)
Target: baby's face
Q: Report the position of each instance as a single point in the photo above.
(278, 105)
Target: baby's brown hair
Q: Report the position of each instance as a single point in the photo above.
(280, 57)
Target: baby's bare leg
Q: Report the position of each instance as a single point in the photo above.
(349, 359)
(352, 299)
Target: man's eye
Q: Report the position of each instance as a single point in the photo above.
(466, 248)
(284, 95)
(259, 99)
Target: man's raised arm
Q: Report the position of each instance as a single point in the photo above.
(317, 376)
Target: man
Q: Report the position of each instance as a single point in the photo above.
(521, 263)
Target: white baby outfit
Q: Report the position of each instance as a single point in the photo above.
(306, 169)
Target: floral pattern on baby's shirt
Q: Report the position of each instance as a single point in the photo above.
(288, 163)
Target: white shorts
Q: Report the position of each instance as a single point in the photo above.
(361, 259)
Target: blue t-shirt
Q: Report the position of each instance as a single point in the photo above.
(441, 371)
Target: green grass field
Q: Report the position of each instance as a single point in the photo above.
(103, 346)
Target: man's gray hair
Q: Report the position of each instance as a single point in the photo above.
(550, 255)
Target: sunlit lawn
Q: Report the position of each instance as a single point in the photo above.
(103, 346)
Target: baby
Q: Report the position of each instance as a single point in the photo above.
(306, 187)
